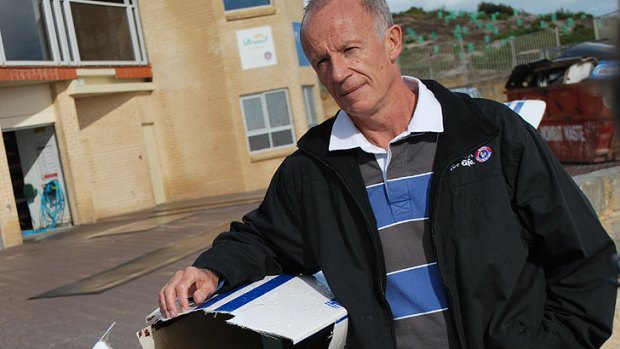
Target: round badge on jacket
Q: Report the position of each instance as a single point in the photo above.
(483, 154)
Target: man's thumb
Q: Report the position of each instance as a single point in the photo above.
(200, 295)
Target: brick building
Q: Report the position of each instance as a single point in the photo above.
(111, 106)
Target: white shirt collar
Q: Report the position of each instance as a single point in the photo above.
(427, 117)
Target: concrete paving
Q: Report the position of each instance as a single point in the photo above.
(78, 252)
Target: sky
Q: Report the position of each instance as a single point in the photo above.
(595, 7)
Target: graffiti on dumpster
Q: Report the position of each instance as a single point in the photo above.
(579, 141)
(561, 133)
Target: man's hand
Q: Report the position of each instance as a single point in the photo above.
(199, 283)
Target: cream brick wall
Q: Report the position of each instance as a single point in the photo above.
(196, 107)
(74, 160)
(113, 146)
(602, 188)
(10, 231)
(287, 74)
(190, 107)
(195, 112)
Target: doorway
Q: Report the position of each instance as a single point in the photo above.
(37, 178)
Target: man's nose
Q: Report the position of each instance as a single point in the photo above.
(339, 69)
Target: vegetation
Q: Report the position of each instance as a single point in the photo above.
(488, 7)
(563, 14)
(494, 21)
(579, 34)
(415, 12)
(517, 32)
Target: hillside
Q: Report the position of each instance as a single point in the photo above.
(423, 28)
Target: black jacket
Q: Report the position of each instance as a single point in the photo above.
(524, 259)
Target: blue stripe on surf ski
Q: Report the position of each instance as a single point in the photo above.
(518, 107)
(254, 293)
(219, 297)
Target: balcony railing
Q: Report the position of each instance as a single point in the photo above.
(71, 33)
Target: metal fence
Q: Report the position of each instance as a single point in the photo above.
(473, 62)
(607, 27)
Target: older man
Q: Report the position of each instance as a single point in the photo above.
(439, 221)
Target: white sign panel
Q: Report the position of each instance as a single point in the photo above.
(256, 48)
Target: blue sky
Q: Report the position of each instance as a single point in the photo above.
(595, 7)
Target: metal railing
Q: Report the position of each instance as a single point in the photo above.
(473, 62)
(477, 61)
(607, 27)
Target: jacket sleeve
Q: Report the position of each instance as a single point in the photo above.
(268, 240)
(567, 240)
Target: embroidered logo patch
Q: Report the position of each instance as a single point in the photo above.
(466, 162)
(483, 154)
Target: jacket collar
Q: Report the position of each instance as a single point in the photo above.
(465, 127)
(316, 143)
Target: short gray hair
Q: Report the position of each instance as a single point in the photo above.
(377, 8)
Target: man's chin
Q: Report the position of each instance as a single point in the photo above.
(356, 110)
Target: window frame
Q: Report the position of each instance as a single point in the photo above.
(310, 106)
(62, 40)
(268, 129)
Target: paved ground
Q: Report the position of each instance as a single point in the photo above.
(70, 255)
(75, 253)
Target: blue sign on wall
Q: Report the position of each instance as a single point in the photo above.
(301, 56)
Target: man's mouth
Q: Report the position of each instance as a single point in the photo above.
(351, 90)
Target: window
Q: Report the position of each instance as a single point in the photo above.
(230, 5)
(102, 32)
(267, 120)
(301, 56)
(24, 30)
(310, 108)
(70, 32)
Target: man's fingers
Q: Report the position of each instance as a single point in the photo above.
(182, 288)
(206, 285)
(201, 294)
(198, 283)
(168, 296)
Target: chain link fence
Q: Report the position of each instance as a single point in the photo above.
(473, 62)
(607, 27)
(469, 62)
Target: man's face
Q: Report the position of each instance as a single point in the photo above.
(352, 62)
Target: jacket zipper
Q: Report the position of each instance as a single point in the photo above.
(372, 238)
(458, 324)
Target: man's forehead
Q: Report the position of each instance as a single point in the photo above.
(333, 35)
(340, 22)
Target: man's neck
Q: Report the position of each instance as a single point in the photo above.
(390, 121)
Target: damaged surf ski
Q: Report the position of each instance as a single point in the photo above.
(277, 312)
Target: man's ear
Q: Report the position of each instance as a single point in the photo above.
(394, 41)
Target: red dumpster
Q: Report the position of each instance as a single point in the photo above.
(578, 124)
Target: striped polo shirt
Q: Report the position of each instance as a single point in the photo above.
(398, 184)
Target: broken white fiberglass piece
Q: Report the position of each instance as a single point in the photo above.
(277, 312)
(102, 343)
(531, 110)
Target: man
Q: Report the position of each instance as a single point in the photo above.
(439, 221)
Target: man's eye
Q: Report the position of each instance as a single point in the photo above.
(321, 62)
